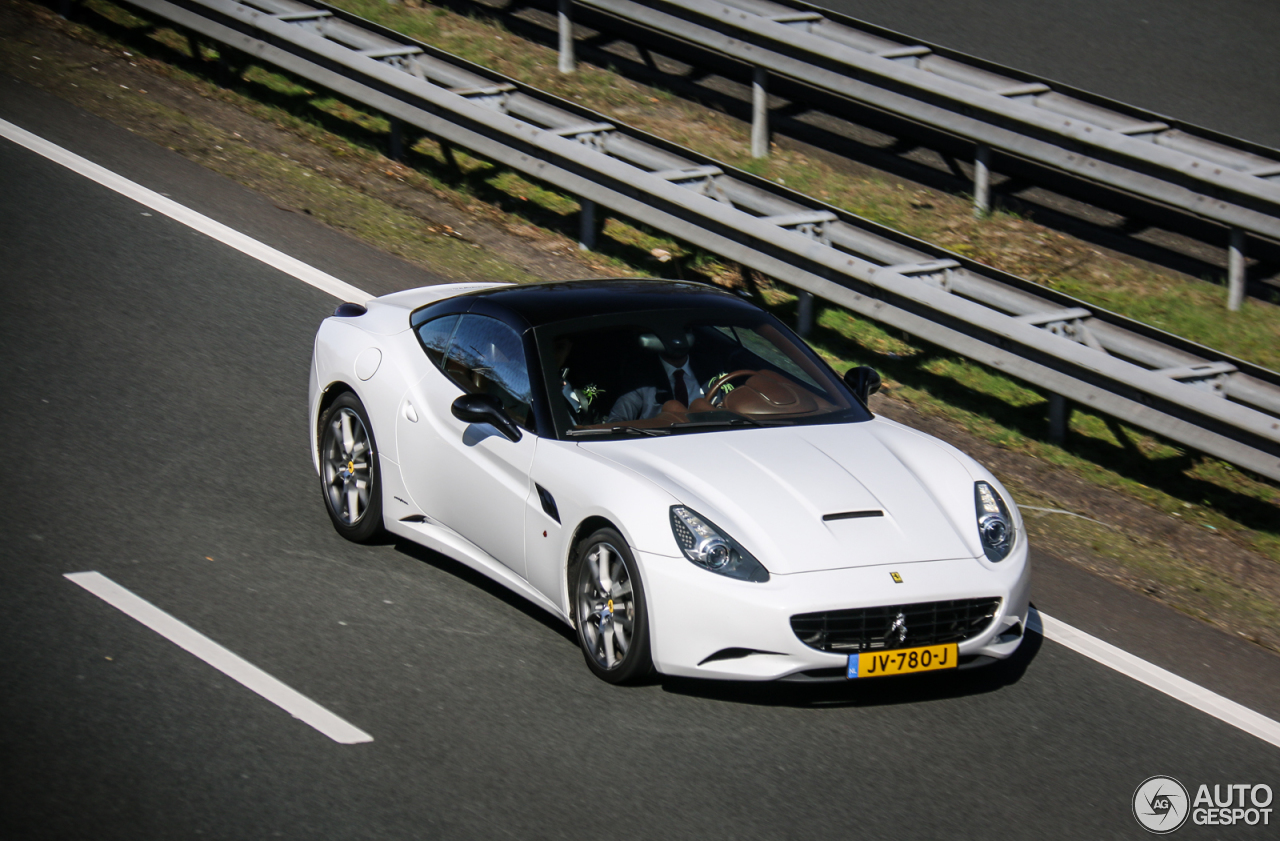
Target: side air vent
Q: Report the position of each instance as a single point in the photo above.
(349, 310)
(548, 502)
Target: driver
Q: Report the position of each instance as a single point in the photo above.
(675, 381)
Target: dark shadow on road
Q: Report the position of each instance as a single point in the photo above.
(477, 579)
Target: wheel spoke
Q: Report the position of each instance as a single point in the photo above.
(353, 504)
(348, 440)
(590, 625)
(618, 578)
(606, 636)
(603, 578)
(622, 633)
(622, 589)
(335, 439)
(593, 568)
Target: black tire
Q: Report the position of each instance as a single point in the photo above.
(613, 626)
(350, 479)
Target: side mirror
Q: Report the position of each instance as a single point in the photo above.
(485, 408)
(864, 380)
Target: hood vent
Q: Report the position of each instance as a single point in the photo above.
(852, 515)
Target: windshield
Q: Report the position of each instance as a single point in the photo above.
(670, 371)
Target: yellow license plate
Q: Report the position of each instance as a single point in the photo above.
(901, 661)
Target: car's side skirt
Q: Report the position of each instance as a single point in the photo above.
(448, 542)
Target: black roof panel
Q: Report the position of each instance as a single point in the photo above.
(544, 303)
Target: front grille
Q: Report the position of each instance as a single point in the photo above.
(895, 626)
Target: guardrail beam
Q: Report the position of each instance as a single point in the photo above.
(811, 224)
(1028, 89)
(704, 179)
(1143, 129)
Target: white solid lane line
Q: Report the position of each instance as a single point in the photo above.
(1163, 680)
(1060, 632)
(196, 221)
(233, 666)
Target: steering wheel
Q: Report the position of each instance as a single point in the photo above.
(715, 395)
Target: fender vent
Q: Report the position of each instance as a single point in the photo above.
(548, 502)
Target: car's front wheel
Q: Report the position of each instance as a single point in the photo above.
(613, 623)
(349, 474)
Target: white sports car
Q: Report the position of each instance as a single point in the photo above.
(671, 471)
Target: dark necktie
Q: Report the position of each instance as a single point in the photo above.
(682, 390)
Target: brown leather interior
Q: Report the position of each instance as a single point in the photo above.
(770, 393)
(764, 393)
(471, 381)
(724, 379)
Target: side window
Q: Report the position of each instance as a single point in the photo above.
(435, 336)
(486, 356)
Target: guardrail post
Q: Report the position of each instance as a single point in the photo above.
(565, 14)
(1235, 270)
(1059, 413)
(804, 313)
(982, 181)
(759, 113)
(395, 141)
(589, 226)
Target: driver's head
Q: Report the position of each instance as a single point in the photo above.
(671, 345)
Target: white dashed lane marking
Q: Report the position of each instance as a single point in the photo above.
(232, 665)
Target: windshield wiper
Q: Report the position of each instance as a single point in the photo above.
(711, 424)
(630, 430)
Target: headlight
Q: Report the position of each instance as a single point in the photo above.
(995, 526)
(709, 548)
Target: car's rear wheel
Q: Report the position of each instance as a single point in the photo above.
(349, 474)
(613, 623)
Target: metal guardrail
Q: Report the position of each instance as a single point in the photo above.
(1156, 381)
(1210, 176)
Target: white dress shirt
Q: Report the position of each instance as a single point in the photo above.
(690, 381)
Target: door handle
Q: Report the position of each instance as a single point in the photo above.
(410, 413)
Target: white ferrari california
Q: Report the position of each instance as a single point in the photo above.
(671, 471)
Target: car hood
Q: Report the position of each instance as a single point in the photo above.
(771, 488)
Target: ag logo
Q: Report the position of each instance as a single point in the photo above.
(1160, 805)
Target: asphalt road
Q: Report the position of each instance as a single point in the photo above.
(1211, 64)
(154, 388)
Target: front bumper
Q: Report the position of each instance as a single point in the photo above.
(706, 625)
